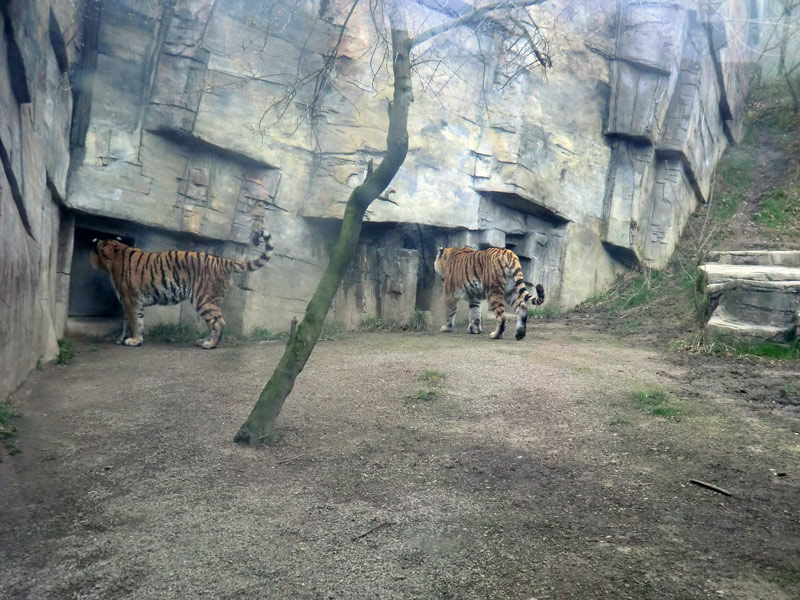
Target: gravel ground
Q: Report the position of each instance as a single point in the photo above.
(522, 470)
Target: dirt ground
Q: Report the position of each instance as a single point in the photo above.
(529, 470)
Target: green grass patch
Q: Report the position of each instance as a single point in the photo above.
(432, 376)
(635, 289)
(418, 321)
(656, 402)
(699, 343)
(667, 412)
(263, 334)
(172, 333)
(332, 331)
(771, 108)
(375, 323)
(780, 210)
(545, 312)
(8, 431)
(66, 352)
(734, 178)
(425, 396)
(769, 350)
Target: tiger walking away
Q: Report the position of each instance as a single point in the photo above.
(495, 274)
(143, 279)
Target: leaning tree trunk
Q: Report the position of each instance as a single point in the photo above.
(259, 424)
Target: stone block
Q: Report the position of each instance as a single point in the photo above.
(782, 258)
(631, 185)
(722, 272)
(672, 201)
(746, 311)
(652, 34)
(694, 130)
(478, 240)
(639, 101)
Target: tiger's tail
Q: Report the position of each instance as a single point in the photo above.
(522, 291)
(257, 263)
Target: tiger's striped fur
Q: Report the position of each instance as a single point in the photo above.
(144, 278)
(494, 273)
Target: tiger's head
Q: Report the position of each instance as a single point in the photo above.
(104, 253)
(442, 256)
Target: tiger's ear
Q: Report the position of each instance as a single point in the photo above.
(94, 240)
(119, 239)
(440, 252)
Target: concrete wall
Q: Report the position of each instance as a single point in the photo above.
(35, 234)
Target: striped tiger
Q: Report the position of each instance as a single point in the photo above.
(144, 278)
(494, 273)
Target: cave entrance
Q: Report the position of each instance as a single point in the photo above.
(90, 291)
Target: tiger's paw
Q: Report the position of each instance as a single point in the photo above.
(446, 328)
(474, 328)
(133, 342)
(495, 336)
(205, 344)
(520, 334)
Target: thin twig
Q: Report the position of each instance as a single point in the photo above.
(711, 487)
(290, 459)
(378, 526)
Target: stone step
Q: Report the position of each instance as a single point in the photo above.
(722, 272)
(745, 333)
(747, 311)
(784, 258)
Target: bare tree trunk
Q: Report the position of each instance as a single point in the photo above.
(788, 73)
(258, 427)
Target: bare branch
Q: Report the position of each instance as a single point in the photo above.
(472, 17)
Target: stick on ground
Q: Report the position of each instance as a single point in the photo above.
(710, 486)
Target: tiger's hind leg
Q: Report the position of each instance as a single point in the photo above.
(521, 310)
(451, 304)
(211, 313)
(474, 316)
(499, 309)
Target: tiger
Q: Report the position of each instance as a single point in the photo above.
(142, 279)
(493, 273)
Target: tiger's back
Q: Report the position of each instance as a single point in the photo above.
(143, 279)
(493, 273)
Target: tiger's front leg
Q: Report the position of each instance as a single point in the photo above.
(134, 315)
(451, 304)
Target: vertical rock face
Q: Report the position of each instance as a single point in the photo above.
(35, 235)
(669, 121)
(197, 121)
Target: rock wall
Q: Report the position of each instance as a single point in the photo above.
(35, 233)
(191, 127)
